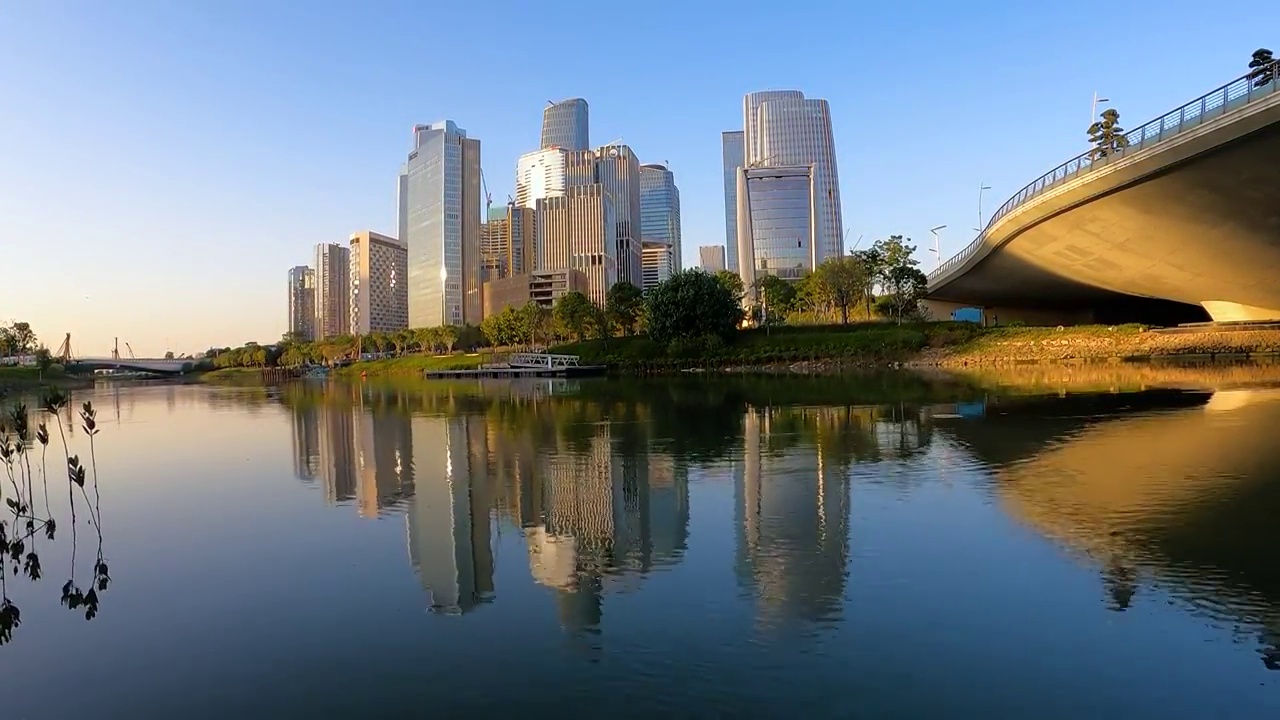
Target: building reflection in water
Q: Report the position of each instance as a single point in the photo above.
(306, 442)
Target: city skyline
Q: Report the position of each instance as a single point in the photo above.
(151, 109)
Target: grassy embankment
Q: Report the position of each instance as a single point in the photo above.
(407, 365)
(829, 348)
(26, 378)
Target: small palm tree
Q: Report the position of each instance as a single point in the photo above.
(1106, 135)
(1263, 67)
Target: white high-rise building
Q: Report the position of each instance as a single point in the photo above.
(379, 295)
(440, 224)
(540, 175)
(783, 129)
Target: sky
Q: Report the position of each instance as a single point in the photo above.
(163, 164)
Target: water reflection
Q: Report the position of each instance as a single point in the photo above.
(1176, 490)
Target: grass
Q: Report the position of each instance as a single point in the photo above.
(27, 377)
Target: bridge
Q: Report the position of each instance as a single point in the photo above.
(160, 366)
(1181, 225)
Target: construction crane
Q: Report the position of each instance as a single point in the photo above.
(488, 196)
(129, 347)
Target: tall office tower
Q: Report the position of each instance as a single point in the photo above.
(448, 519)
(777, 230)
(711, 257)
(784, 129)
(379, 290)
(660, 210)
(618, 170)
(539, 175)
(441, 226)
(658, 263)
(302, 303)
(333, 288)
(733, 154)
(577, 231)
(506, 243)
(565, 124)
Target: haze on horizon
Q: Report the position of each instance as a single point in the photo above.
(162, 165)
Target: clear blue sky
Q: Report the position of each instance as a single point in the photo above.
(162, 164)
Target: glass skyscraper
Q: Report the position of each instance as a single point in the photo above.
(734, 154)
(440, 219)
(565, 125)
(776, 224)
(660, 210)
(784, 129)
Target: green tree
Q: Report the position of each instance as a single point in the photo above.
(840, 282)
(535, 323)
(447, 336)
(624, 304)
(22, 338)
(293, 356)
(905, 288)
(379, 341)
(692, 304)
(778, 296)
(574, 312)
(732, 282)
(7, 345)
(1262, 67)
(44, 358)
(871, 261)
(402, 340)
(598, 323)
(1106, 135)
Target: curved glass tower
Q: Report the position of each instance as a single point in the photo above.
(564, 125)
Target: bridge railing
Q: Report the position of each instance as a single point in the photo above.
(542, 360)
(1214, 104)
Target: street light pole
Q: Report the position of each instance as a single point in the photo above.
(981, 188)
(1093, 111)
(937, 251)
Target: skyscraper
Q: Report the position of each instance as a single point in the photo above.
(733, 154)
(660, 210)
(658, 264)
(539, 174)
(711, 258)
(379, 291)
(777, 231)
(506, 242)
(784, 129)
(565, 125)
(577, 231)
(333, 288)
(302, 303)
(618, 170)
(440, 219)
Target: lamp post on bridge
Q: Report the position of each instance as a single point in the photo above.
(1093, 110)
(937, 251)
(982, 187)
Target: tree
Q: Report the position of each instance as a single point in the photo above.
(598, 323)
(293, 356)
(1263, 67)
(44, 358)
(573, 310)
(22, 338)
(7, 345)
(692, 304)
(379, 341)
(779, 296)
(168, 355)
(624, 305)
(447, 336)
(402, 340)
(905, 288)
(1106, 135)
(840, 282)
(871, 261)
(535, 322)
(732, 282)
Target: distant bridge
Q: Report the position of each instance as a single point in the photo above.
(161, 366)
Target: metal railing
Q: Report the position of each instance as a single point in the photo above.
(1233, 95)
(542, 360)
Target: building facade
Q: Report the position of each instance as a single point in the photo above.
(777, 228)
(544, 287)
(660, 211)
(440, 221)
(379, 287)
(733, 154)
(577, 231)
(565, 125)
(618, 170)
(333, 288)
(782, 128)
(658, 263)
(506, 243)
(711, 257)
(539, 175)
(302, 303)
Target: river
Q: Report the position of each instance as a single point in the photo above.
(1061, 543)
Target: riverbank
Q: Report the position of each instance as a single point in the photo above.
(30, 378)
(834, 349)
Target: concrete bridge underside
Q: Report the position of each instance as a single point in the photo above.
(1186, 231)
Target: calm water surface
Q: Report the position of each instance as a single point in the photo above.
(884, 547)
